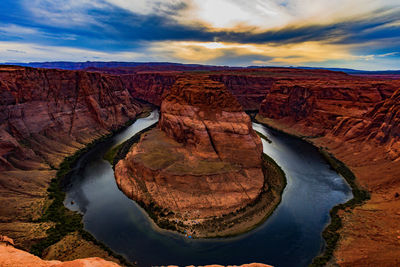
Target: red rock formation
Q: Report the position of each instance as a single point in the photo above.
(12, 257)
(379, 126)
(203, 161)
(149, 86)
(202, 115)
(358, 121)
(315, 106)
(250, 90)
(50, 109)
(6, 241)
(46, 115)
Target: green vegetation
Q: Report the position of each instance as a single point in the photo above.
(277, 169)
(110, 155)
(159, 155)
(158, 158)
(66, 221)
(119, 152)
(330, 233)
(263, 137)
(203, 167)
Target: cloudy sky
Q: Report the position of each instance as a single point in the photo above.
(361, 34)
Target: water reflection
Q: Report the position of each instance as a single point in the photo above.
(290, 237)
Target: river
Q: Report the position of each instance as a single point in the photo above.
(290, 237)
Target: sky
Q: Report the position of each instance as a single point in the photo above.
(359, 34)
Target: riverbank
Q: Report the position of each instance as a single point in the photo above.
(331, 233)
(232, 224)
(66, 233)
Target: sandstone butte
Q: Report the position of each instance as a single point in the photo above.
(201, 163)
(46, 115)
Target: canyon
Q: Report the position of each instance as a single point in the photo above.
(202, 163)
(47, 115)
(358, 122)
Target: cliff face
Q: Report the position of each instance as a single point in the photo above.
(149, 86)
(323, 100)
(358, 121)
(46, 115)
(43, 112)
(203, 161)
(249, 90)
(206, 118)
(379, 126)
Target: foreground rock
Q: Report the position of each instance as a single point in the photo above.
(203, 162)
(12, 257)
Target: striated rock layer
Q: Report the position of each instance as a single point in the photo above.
(203, 160)
(358, 122)
(45, 116)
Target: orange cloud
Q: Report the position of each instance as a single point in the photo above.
(298, 53)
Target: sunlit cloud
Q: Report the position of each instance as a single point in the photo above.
(359, 33)
(259, 15)
(299, 53)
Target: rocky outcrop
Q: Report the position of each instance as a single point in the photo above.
(47, 113)
(205, 117)
(149, 86)
(315, 106)
(357, 120)
(12, 257)
(248, 88)
(45, 116)
(379, 126)
(204, 159)
(350, 110)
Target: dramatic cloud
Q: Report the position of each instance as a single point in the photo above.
(358, 33)
(307, 52)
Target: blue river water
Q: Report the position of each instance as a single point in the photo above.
(290, 237)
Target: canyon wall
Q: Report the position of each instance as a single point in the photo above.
(45, 116)
(357, 120)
